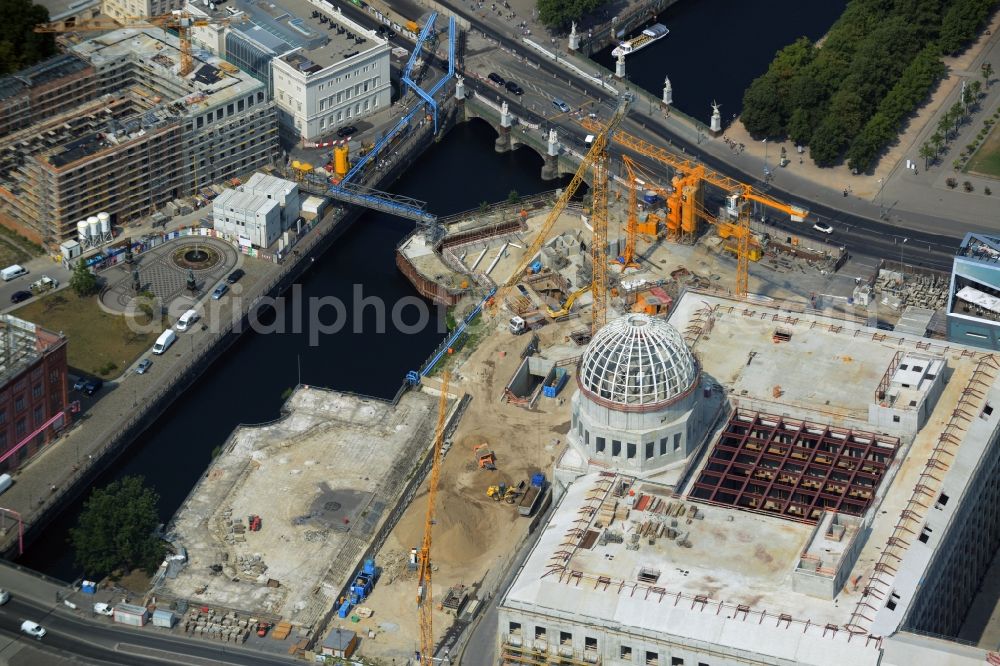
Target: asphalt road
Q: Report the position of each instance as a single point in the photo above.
(107, 643)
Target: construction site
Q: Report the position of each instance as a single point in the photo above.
(276, 528)
(115, 150)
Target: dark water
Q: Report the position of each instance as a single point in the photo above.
(717, 47)
(245, 384)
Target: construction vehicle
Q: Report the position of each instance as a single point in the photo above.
(262, 628)
(505, 493)
(532, 496)
(485, 458)
(425, 601)
(596, 158)
(45, 283)
(568, 305)
(517, 325)
(182, 22)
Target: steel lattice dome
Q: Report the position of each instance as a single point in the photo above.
(637, 362)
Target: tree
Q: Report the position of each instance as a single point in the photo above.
(513, 197)
(83, 282)
(928, 152)
(20, 46)
(116, 529)
(987, 71)
(937, 140)
(560, 13)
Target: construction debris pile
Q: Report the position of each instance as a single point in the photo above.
(896, 290)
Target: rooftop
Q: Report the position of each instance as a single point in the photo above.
(21, 344)
(41, 73)
(244, 201)
(653, 557)
(63, 9)
(981, 247)
(322, 38)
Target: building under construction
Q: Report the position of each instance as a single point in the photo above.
(146, 136)
(840, 507)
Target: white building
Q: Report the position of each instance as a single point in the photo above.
(285, 192)
(807, 528)
(325, 71)
(123, 9)
(248, 218)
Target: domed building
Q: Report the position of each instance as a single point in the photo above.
(638, 407)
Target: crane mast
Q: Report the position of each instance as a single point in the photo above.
(425, 602)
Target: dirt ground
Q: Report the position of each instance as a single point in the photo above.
(473, 535)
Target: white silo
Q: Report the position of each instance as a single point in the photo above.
(105, 221)
(95, 227)
(82, 230)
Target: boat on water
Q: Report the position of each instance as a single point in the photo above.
(647, 37)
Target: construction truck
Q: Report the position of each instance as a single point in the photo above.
(517, 325)
(485, 458)
(503, 492)
(44, 284)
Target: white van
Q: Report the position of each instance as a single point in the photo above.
(12, 272)
(6, 481)
(187, 319)
(164, 341)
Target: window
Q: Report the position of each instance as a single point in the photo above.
(39, 415)
(589, 643)
(625, 652)
(663, 446)
(701, 663)
(616, 447)
(925, 534)
(565, 638)
(895, 418)
(978, 336)
(539, 633)
(676, 661)
(893, 600)
(586, 435)
(600, 444)
(652, 658)
(199, 122)
(20, 428)
(230, 109)
(514, 628)
(940, 504)
(36, 391)
(677, 441)
(630, 450)
(19, 404)
(649, 450)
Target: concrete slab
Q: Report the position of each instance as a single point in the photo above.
(320, 479)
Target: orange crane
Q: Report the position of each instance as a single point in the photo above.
(182, 22)
(425, 602)
(598, 153)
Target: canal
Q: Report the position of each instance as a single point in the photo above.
(717, 47)
(245, 384)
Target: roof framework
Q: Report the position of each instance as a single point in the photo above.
(794, 468)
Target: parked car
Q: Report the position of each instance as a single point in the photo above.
(235, 276)
(143, 366)
(32, 629)
(187, 320)
(514, 88)
(497, 79)
(20, 296)
(4, 597)
(79, 384)
(219, 292)
(93, 386)
(561, 105)
(347, 131)
(823, 227)
(104, 609)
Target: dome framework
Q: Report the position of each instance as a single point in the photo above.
(637, 362)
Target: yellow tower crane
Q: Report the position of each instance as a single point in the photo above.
(425, 601)
(596, 158)
(182, 22)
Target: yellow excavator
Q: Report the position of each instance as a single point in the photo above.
(505, 493)
(568, 305)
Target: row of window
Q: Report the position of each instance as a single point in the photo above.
(345, 114)
(625, 652)
(347, 93)
(231, 109)
(631, 450)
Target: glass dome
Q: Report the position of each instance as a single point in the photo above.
(637, 362)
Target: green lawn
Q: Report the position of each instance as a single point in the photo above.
(97, 340)
(986, 160)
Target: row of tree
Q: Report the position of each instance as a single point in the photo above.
(559, 14)
(849, 96)
(20, 46)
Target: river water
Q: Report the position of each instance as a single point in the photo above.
(245, 384)
(717, 47)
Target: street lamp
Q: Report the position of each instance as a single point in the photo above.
(881, 199)
(901, 247)
(765, 160)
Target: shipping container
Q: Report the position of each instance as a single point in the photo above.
(132, 615)
(164, 618)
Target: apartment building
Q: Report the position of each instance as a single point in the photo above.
(47, 88)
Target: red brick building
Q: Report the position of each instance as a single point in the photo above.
(33, 392)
